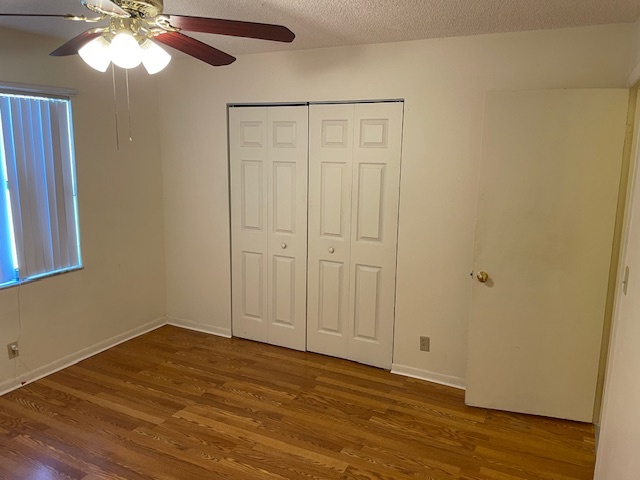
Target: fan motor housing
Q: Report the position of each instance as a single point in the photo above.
(141, 8)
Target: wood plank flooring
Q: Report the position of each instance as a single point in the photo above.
(177, 404)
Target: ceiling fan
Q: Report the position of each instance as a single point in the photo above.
(135, 26)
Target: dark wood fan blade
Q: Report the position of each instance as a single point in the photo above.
(76, 43)
(195, 48)
(236, 28)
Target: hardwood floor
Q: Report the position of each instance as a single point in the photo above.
(176, 404)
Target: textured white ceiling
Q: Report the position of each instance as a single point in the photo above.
(324, 23)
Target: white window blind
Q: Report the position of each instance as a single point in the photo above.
(39, 212)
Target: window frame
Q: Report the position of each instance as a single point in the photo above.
(47, 93)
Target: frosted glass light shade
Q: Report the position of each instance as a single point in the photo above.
(154, 58)
(125, 51)
(96, 54)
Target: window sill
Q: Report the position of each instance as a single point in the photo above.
(40, 277)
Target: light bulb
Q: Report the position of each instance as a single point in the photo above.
(125, 51)
(154, 58)
(96, 54)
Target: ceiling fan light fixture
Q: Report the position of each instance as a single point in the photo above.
(125, 51)
(96, 54)
(134, 22)
(154, 57)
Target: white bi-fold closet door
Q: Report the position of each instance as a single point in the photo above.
(269, 151)
(329, 289)
(354, 177)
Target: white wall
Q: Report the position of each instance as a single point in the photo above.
(443, 83)
(122, 285)
(619, 440)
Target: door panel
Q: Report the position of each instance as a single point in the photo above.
(355, 153)
(248, 151)
(287, 140)
(284, 197)
(334, 200)
(331, 317)
(370, 203)
(330, 158)
(547, 202)
(268, 148)
(252, 286)
(284, 287)
(252, 195)
(367, 293)
(375, 193)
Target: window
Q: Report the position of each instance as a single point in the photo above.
(38, 204)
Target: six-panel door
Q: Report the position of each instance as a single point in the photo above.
(268, 152)
(354, 168)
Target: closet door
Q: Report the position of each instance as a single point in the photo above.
(376, 186)
(248, 168)
(330, 158)
(287, 164)
(268, 166)
(354, 163)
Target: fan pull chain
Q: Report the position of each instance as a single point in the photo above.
(115, 105)
(128, 105)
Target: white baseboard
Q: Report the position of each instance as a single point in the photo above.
(198, 327)
(64, 362)
(420, 374)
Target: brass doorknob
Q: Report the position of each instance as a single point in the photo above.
(482, 276)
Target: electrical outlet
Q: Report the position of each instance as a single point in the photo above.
(13, 350)
(425, 344)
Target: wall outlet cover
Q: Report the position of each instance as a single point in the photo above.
(12, 350)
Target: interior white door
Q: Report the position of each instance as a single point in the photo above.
(330, 163)
(377, 151)
(355, 153)
(248, 169)
(287, 164)
(268, 166)
(620, 433)
(547, 201)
